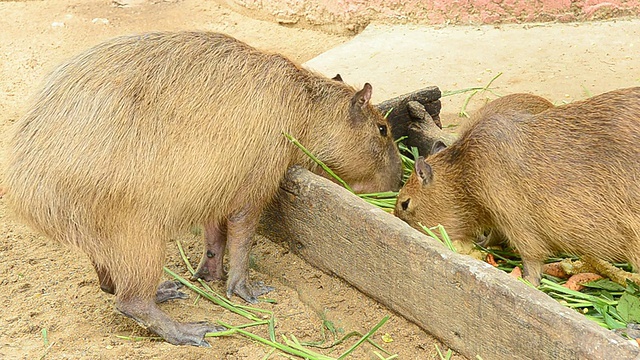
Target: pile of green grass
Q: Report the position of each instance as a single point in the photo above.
(603, 301)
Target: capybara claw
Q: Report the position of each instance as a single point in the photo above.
(168, 290)
(249, 293)
(194, 333)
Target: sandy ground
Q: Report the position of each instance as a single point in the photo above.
(46, 286)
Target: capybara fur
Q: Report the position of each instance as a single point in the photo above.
(519, 102)
(562, 180)
(143, 136)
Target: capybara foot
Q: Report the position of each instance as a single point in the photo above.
(210, 269)
(193, 333)
(532, 271)
(168, 290)
(147, 314)
(249, 292)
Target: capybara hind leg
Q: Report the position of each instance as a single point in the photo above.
(106, 283)
(168, 290)
(137, 259)
(211, 265)
(147, 314)
(241, 228)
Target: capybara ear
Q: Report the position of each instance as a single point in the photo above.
(423, 170)
(362, 97)
(337, 78)
(437, 147)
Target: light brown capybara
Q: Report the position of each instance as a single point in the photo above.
(562, 180)
(143, 136)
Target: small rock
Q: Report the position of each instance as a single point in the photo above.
(100, 21)
(286, 19)
(57, 24)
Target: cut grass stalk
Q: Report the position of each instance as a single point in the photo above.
(268, 355)
(499, 254)
(443, 238)
(140, 338)
(381, 357)
(319, 345)
(551, 287)
(317, 161)
(303, 353)
(364, 338)
(408, 163)
(447, 356)
(45, 337)
(473, 91)
(47, 345)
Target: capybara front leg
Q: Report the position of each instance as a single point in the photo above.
(532, 270)
(147, 314)
(168, 290)
(241, 228)
(215, 240)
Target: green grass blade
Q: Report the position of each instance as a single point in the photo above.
(446, 241)
(317, 161)
(268, 355)
(306, 354)
(364, 338)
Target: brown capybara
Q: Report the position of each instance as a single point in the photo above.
(563, 180)
(143, 136)
(520, 102)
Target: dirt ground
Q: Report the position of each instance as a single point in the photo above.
(46, 286)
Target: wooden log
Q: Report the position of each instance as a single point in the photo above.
(399, 117)
(471, 306)
(423, 134)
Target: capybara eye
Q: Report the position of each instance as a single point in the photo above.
(383, 130)
(405, 204)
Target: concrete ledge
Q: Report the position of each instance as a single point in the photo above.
(354, 14)
(469, 305)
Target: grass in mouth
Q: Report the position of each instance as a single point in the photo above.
(384, 200)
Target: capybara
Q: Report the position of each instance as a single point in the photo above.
(562, 180)
(520, 102)
(142, 136)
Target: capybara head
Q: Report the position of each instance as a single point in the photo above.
(428, 198)
(435, 192)
(361, 150)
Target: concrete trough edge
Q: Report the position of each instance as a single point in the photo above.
(469, 305)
